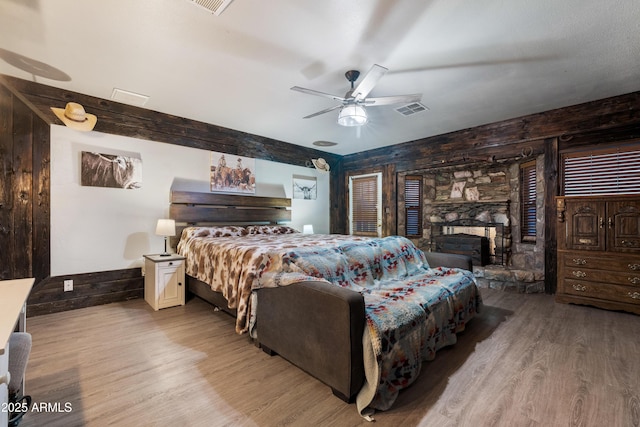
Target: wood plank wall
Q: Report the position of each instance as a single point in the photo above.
(593, 123)
(88, 289)
(24, 189)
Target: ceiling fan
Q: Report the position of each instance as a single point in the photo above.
(352, 105)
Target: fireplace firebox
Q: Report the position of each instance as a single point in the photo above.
(484, 242)
(477, 247)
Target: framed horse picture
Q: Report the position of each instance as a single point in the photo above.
(232, 174)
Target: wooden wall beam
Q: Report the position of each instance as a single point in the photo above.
(7, 241)
(551, 185)
(41, 200)
(507, 138)
(126, 120)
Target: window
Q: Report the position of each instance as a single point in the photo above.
(528, 201)
(413, 205)
(608, 171)
(365, 193)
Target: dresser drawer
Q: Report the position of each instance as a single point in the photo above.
(588, 275)
(605, 291)
(617, 263)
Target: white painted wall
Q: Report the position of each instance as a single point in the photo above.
(99, 229)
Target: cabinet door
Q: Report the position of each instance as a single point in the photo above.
(624, 226)
(585, 225)
(169, 287)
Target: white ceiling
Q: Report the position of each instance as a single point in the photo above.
(475, 62)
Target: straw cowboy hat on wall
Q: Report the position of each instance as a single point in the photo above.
(321, 164)
(74, 116)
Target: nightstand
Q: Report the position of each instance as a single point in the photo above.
(164, 280)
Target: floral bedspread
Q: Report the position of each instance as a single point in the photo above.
(232, 259)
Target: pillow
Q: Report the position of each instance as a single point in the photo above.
(270, 229)
(223, 231)
(189, 233)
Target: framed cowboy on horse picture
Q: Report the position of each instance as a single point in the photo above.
(235, 174)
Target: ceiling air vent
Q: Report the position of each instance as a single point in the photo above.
(128, 97)
(214, 6)
(412, 108)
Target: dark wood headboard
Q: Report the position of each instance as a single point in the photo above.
(190, 207)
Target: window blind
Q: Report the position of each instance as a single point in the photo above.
(365, 205)
(528, 200)
(610, 171)
(413, 206)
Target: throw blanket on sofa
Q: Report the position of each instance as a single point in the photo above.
(411, 310)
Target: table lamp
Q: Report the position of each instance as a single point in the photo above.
(166, 228)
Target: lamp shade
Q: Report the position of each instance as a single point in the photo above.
(352, 115)
(166, 227)
(307, 229)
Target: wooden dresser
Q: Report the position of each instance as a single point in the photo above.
(599, 251)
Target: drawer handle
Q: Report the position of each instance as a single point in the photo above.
(635, 295)
(579, 261)
(179, 283)
(634, 280)
(634, 267)
(579, 274)
(580, 287)
(6, 378)
(170, 262)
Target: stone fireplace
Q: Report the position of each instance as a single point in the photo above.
(483, 200)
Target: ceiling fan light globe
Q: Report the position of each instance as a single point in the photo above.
(352, 115)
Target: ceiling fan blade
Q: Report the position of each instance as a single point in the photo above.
(326, 110)
(388, 100)
(361, 91)
(317, 93)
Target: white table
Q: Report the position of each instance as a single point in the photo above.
(13, 298)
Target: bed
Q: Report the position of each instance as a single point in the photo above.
(360, 314)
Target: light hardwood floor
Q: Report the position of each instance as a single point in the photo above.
(525, 361)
